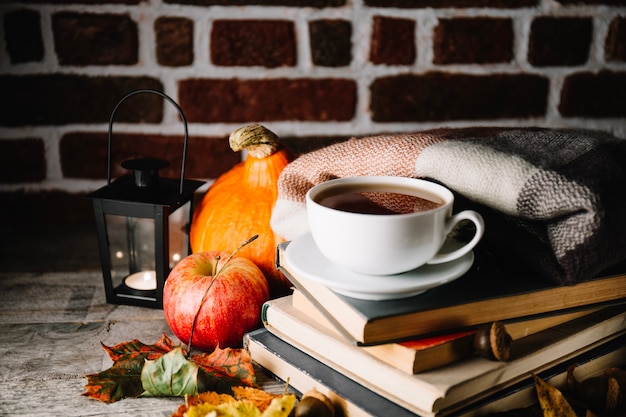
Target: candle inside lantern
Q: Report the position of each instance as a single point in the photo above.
(143, 280)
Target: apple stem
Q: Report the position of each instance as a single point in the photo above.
(215, 275)
(214, 269)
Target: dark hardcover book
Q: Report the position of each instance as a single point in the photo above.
(453, 385)
(487, 292)
(303, 373)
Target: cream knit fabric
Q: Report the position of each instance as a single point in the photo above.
(553, 200)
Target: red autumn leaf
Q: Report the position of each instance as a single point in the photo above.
(219, 371)
(135, 348)
(234, 364)
(114, 384)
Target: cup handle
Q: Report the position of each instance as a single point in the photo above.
(478, 221)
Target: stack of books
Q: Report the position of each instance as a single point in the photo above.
(415, 356)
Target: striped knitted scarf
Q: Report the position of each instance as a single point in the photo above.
(553, 200)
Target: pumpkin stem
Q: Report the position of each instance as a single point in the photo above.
(259, 141)
(206, 293)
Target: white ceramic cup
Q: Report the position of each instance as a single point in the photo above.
(386, 244)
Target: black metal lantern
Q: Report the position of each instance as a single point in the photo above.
(142, 223)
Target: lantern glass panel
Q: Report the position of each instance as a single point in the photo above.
(131, 245)
(178, 234)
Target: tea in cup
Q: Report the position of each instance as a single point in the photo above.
(385, 225)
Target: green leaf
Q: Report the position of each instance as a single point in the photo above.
(138, 367)
(170, 375)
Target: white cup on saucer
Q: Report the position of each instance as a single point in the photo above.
(385, 225)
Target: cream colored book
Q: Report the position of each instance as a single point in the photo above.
(422, 354)
(588, 364)
(442, 390)
(475, 298)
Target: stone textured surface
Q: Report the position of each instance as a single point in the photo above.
(53, 328)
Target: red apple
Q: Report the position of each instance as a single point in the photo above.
(235, 290)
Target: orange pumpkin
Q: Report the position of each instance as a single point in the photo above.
(239, 204)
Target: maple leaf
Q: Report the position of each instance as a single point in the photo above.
(135, 348)
(170, 375)
(123, 379)
(163, 369)
(235, 364)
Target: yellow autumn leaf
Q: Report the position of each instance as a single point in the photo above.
(552, 401)
(279, 407)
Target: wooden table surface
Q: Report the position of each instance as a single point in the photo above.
(51, 329)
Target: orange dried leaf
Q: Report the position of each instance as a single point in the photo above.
(258, 397)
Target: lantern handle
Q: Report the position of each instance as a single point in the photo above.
(180, 112)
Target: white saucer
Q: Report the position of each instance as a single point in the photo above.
(307, 261)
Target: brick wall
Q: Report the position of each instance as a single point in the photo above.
(314, 71)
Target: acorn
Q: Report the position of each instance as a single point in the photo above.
(315, 404)
(493, 342)
(603, 394)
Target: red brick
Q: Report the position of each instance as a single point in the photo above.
(236, 101)
(267, 43)
(22, 35)
(597, 95)
(443, 96)
(615, 45)
(94, 39)
(174, 41)
(84, 155)
(393, 41)
(331, 44)
(419, 4)
(473, 41)
(59, 99)
(288, 3)
(583, 2)
(22, 160)
(91, 2)
(559, 41)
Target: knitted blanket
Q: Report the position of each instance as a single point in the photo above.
(553, 200)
